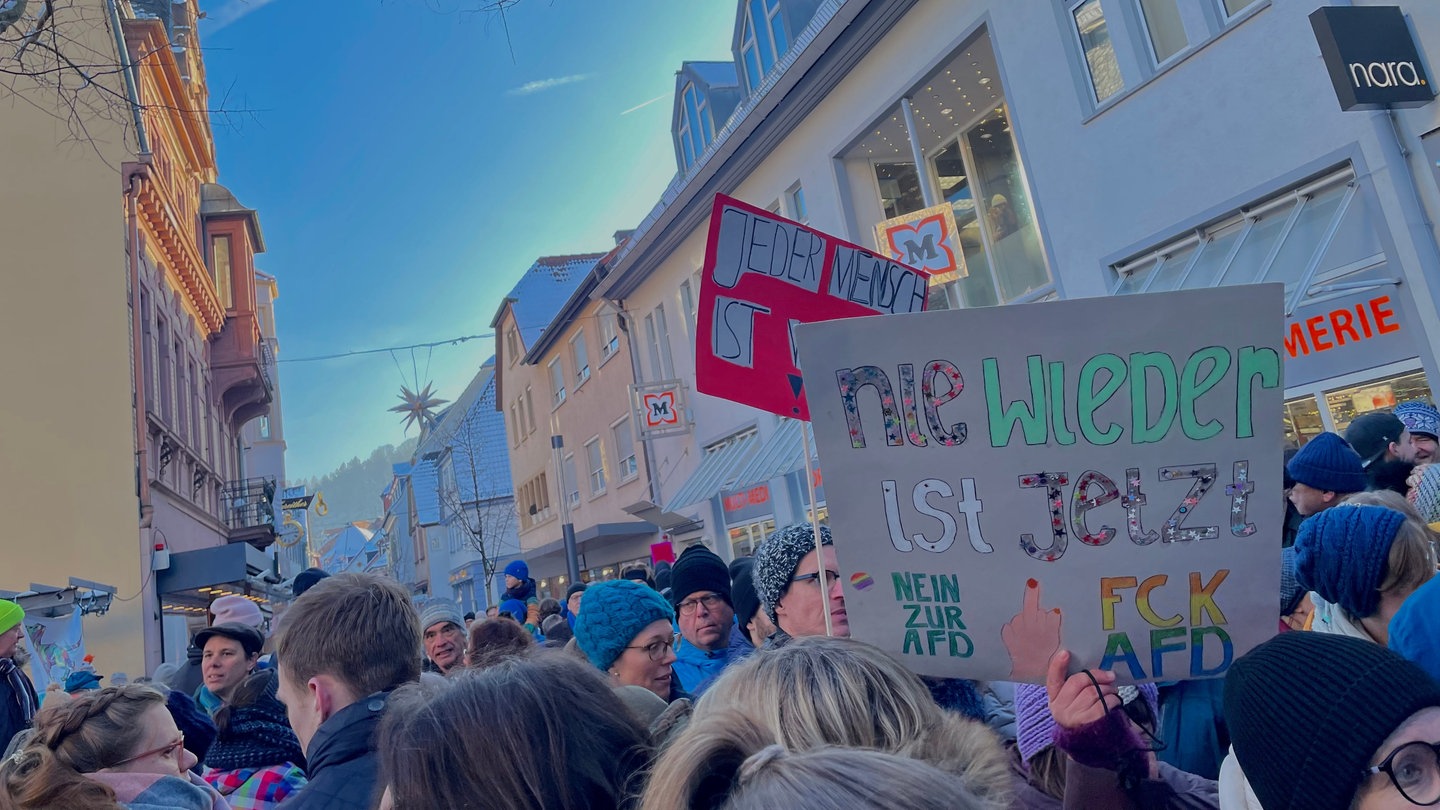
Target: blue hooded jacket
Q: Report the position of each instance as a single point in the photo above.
(697, 668)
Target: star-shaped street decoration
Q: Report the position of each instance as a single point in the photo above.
(419, 407)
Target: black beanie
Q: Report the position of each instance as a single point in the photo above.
(698, 569)
(578, 587)
(742, 590)
(1307, 712)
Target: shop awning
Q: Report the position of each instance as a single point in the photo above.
(716, 472)
(780, 455)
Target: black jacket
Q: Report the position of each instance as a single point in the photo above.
(12, 717)
(344, 767)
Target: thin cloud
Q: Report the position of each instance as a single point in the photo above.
(643, 105)
(231, 12)
(542, 85)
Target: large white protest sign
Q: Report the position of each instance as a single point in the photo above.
(1102, 475)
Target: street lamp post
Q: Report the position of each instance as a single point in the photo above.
(567, 529)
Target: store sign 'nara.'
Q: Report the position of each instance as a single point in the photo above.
(1104, 479)
(1371, 56)
(763, 276)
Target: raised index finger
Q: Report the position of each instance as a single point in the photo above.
(1032, 597)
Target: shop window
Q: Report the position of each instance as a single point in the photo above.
(900, 191)
(1102, 67)
(1302, 421)
(1347, 403)
(1163, 28)
(745, 539)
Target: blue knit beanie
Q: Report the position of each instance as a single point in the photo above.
(612, 614)
(1329, 464)
(517, 569)
(1416, 626)
(1343, 554)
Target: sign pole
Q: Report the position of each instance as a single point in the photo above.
(805, 441)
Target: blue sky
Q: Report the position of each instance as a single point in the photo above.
(407, 171)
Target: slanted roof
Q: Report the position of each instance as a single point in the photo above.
(715, 74)
(218, 201)
(543, 290)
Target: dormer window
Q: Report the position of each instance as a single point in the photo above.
(697, 126)
(762, 40)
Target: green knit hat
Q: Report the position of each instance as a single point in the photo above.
(11, 614)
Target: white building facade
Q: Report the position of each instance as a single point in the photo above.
(1087, 148)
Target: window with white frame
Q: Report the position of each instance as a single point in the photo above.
(657, 337)
(1314, 233)
(557, 382)
(1164, 28)
(529, 410)
(580, 358)
(572, 482)
(595, 460)
(625, 465)
(512, 345)
(609, 334)
(687, 308)
(697, 125)
(795, 202)
(517, 429)
(762, 40)
(1103, 68)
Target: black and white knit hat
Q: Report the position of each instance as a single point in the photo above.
(778, 557)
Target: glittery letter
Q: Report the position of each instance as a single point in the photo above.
(936, 369)
(850, 381)
(1133, 500)
(1055, 500)
(1204, 475)
(1239, 493)
(1081, 503)
(909, 407)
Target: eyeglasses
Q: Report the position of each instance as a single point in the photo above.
(657, 650)
(165, 751)
(710, 601)
(1414, 770)
(830, 578)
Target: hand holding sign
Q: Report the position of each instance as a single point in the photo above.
(1077, 701)
(1032, 637)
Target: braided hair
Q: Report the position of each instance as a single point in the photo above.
(89, 733)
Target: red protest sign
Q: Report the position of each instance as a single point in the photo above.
(763, 274)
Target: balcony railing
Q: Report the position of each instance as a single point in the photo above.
(249, 504)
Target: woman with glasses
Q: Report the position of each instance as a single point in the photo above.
(627, 630)
(1329, 722)
(114, 748)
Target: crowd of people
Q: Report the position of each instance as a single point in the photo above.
(705, 685)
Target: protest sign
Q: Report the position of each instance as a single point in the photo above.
(58, 648)
(764, 275)
(1100, 475)
(927, 239)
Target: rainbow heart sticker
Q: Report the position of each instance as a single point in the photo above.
(861, 581)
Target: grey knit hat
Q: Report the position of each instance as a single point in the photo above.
(440, 609)
(778, 557)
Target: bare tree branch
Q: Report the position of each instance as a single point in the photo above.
(476, 499)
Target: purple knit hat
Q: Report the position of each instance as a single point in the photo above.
(1034, 725)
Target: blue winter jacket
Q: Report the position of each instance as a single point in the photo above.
(697, 668)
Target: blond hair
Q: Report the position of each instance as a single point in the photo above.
(89, 733)
(820, 691)
(727, 762)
